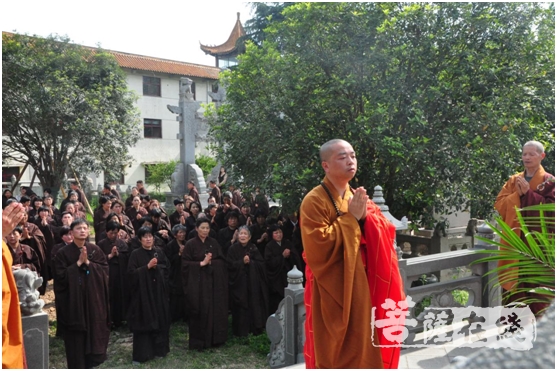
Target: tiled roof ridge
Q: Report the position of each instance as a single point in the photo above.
(160, 59)
(154, 64)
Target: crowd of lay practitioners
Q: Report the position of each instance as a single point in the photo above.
(146, 268)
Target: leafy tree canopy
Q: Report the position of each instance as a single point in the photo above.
(63, 106)
(436, 98)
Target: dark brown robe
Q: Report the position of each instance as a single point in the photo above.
(193, 193)
(38, 243)
(175, 217)
(206, 290)
(59, 325)
(99, 221)
(225, 239)
(177, 296)
(215, 192)
(82, 293)
(48, 233)
(148, 311)
(117, 278)
(25, 260)
(132, 214)
(248, 289)
(256, 233)
(277, 267)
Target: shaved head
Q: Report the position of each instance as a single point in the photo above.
(325, 151)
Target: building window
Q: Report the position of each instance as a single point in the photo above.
(152, 86)
(152, 128)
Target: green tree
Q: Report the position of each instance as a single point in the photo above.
(63, 104)
(160, 174)
(435, 98)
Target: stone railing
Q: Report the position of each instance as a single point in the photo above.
(285, 328)
(478, 285)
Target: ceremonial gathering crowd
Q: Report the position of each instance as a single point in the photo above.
(148, 268)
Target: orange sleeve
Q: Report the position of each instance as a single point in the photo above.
(12, 334)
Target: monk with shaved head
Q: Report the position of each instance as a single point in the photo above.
(351, 267)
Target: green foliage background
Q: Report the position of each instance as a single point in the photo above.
(64, 105)
(436, 98)
(160, 174)
(205, 163)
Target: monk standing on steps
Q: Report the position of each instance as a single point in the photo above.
(352, 267)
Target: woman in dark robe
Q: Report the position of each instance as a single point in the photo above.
(129, 200)
(117, 207)
(173, 251)
(23, 255)
(148, 311)
(205, 280)
(195, 209)
(34, 212)
(136, 212)
(248, 286)
(33, 237)
(280, 258)
(45, 224)
(122, 233)
(258, 231)
(117, 253)
(99, 217)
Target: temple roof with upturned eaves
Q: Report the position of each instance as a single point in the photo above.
(229, 46)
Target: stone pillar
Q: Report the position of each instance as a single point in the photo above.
(186, 169)
(285, 328)
(35, 340)
(34, 320)
(491, 296)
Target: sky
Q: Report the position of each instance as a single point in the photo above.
(164, 28)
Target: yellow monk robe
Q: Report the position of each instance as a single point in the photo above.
(12, 333)
(508, 199)
(341, 304)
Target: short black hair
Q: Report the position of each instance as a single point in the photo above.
(18, 229)
(24, 198)
(78, 221)
(232, 214)
(64, 230)
(141, 232)
(44, 208)
(155, 213)
(273, 228)
(200, 221)
(110, 226)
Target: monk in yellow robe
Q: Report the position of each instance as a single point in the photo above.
(12, 333)
(338, 299)
(533, 186)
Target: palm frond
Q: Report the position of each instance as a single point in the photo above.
(533, 254)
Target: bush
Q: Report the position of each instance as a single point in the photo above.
(205, 163)
(160, 174)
